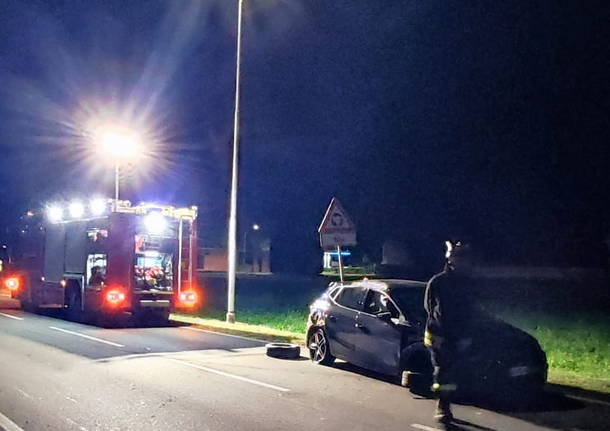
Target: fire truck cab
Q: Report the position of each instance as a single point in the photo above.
(138, 259)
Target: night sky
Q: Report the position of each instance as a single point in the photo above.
(485, 120)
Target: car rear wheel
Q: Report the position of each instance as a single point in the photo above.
(318, 348)
(417, 373)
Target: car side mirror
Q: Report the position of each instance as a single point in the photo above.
(386, 316)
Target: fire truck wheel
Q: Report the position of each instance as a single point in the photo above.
(28, 306)
(26, 302)
(73, 303)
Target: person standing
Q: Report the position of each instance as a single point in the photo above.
(449, 303)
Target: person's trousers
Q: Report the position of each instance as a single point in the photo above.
(443, 361)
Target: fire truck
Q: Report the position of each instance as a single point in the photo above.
(108, 258)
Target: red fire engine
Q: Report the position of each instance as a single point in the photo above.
(108, 258)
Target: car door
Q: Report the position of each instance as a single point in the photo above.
(378, 340)
(340, 324)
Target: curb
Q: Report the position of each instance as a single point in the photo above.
(243, 333)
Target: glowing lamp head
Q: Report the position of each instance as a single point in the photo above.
(256, 227)
(118, 143)
(12, 284)
(155, 223)
(115, 296)
(97, 207)
(77, 209)
(55, 213)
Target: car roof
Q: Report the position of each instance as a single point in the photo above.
(387, 284)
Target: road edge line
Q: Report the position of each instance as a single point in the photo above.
(11, 316)
(424, 427)
(194, 328)
(8, 425)
(229, 375)
(88, 337)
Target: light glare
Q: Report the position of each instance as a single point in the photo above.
(155, 223)
(115, 296)
(118, 143)
(55, 213)
(77, 209)
(97, 206)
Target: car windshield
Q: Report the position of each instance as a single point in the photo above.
(410, 300)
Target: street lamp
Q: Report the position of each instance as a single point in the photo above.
(120, 144)
(244, 249)
(232, 240)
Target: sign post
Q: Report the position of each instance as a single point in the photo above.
(340, 263)
(337, 230)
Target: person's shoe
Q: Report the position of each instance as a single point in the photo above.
(443, 414)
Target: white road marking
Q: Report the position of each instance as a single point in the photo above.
(215, 353)
(8, 425)
(24, 393)
(232, 376)
(588, 400)
(424, 427)
(10, 316)
(223, 334)
(72, 399)
(88, 337)
(80, 427)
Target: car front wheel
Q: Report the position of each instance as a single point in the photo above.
(318, 348)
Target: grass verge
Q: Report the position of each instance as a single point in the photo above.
(574, 380)
(577, 346)
(261, 332)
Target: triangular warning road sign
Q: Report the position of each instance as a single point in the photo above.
(336, 219)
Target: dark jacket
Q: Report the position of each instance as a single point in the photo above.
(450, 304)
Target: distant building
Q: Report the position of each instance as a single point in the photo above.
(331, 259)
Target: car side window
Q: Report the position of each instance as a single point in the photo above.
(334, 292)
(351, 297)
(391, 307)
(374, 304)
(378, 302)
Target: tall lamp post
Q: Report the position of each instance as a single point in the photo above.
(232, 240)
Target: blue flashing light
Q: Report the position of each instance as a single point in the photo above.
(343, 253)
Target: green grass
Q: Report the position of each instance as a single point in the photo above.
(262, 332)
(289, 320)
(577, 345)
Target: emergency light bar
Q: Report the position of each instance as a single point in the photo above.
(76, 210)
(99, 207)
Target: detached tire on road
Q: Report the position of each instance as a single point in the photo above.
(283, 350)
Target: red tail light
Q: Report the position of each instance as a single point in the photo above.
(12, 284)
(115, 296)
(188, 298)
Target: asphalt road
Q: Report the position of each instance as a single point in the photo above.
(61, 375)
